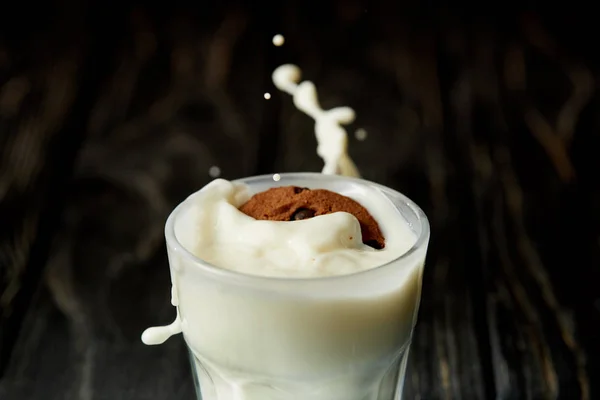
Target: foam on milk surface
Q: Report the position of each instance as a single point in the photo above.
(214, 230)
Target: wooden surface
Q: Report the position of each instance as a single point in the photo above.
(111, 116)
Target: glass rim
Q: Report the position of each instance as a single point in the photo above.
(224, 273)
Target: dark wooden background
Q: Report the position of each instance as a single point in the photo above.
(111, 114)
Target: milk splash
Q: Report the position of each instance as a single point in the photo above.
(332, 147)
(332, 138)
(160, 334)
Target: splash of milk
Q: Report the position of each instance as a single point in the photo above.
(332, 138)
(214, 229)
(332, 147)
(160, 334)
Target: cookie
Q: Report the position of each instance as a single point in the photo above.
(292, 203)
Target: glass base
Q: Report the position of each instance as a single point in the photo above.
(383, 381)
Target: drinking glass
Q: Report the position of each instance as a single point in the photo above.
(331, 338)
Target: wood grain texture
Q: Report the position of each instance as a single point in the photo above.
(36, 102)
(490, 124)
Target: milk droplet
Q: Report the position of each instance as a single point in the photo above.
(267, 96)
(214, 171)
(276, 177)
(278, 40)
(360, 134)
(159, 334)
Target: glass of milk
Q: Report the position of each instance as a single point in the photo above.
(341, 337)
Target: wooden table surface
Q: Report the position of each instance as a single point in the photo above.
(109, 116)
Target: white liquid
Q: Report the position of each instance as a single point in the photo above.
(332, 139)
(214, 171)
(278, 40)
(253, 344)
(360, 134)
(293, 341)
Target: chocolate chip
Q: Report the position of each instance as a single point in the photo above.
(303, 213)
(299, 190)
(374, 244)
